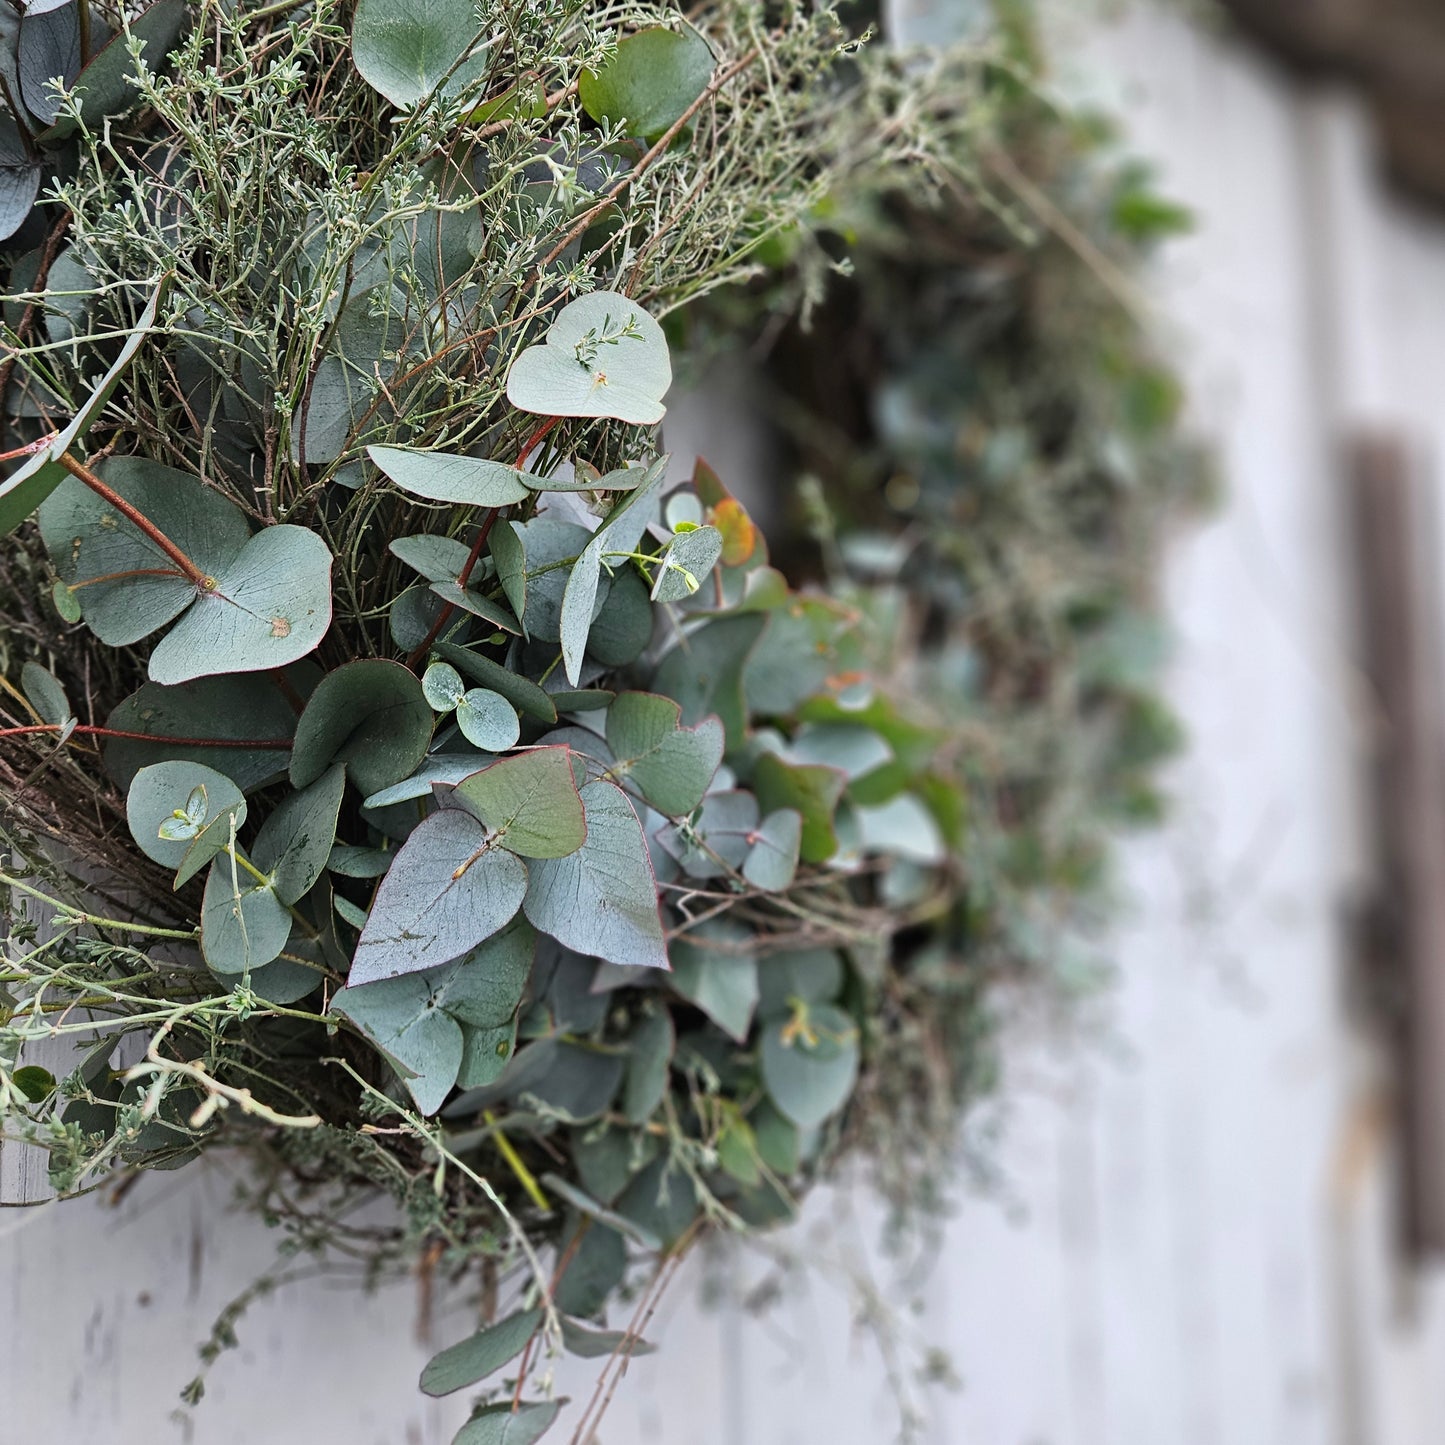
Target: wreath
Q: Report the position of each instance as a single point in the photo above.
(414, 776)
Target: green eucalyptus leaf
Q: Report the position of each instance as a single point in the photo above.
(126, 586)
(442, 686)
(649, 1059)
(243, 923)
(772, 862)
(447, 891)
(809, 975)
(371, 715)
(585, 1205)
(270, 606)
(362, 351)
(351, 861)
(502, 1425)
(486, 1052)
(20, 176)
(671, 765)
(295, 840)
(487, 720)
(686, 563)
(480, 1355)
(706, 674)
(530, 803)
(521, 692)
(29, 485)
(723, 983)
(621, 630)
(902, 827)
(810, 1066)
(49, 49)
(603, 356)
(35, 1083)
(650, 81)
(602, 899)
(425, 1021)
(509, 553)
(438, 477)
(447, 769)
(237, 711)
(407, 49)
(811, 789)
(157, 793)
(661, 1200)
(45, 694)
(618, 535)
(438, 559)
(470, 601)
(719, 838)
(105, 86)
(599, 1262)
(595, 1344)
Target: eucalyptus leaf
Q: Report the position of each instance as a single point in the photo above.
(480, 1355)
(236, 712)
(295, 840)
(371, 715)
(105, 86)
(244, 925)
(503, 1425)
(649, 81)
(810, 1066)
(811, 789)
(438, 477)
(602, 899)
(649, 1059)
(594, 1344)
(438, 559)
(672, 766)
(447, 891)
(688, 560)
(603, 356)
(270, 606)
(772, 862)
(45, 694)
(723, 984)
(126, 585)
(408, 49)
(159, 792)
(487, 720)
(530, 803)
(521, 692)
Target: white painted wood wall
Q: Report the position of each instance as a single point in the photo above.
(1191, 1244)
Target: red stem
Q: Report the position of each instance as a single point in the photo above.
(88, 731)
(137, 519)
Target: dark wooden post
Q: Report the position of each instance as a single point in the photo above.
(1402, 656)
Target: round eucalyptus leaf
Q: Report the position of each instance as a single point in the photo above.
(529, 802)
(650, 80)
(487, 720)
(180, 814)
(371, 715)
(603, 356)
(270, 606)
(284, 982)
(810, 1065)
(125, 584)
(239, 713)
(49, 49)
(686, 563)
(406, 49)
(442, 686)
(772, 862)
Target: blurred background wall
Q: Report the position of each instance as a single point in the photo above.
(1191, 1233)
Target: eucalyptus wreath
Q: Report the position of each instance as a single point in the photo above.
(414, 776)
